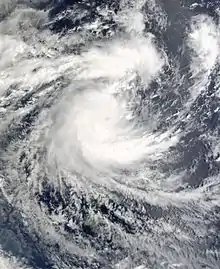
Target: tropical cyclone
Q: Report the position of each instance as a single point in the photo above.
(109, 134)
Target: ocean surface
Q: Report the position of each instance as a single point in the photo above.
(109, 134)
